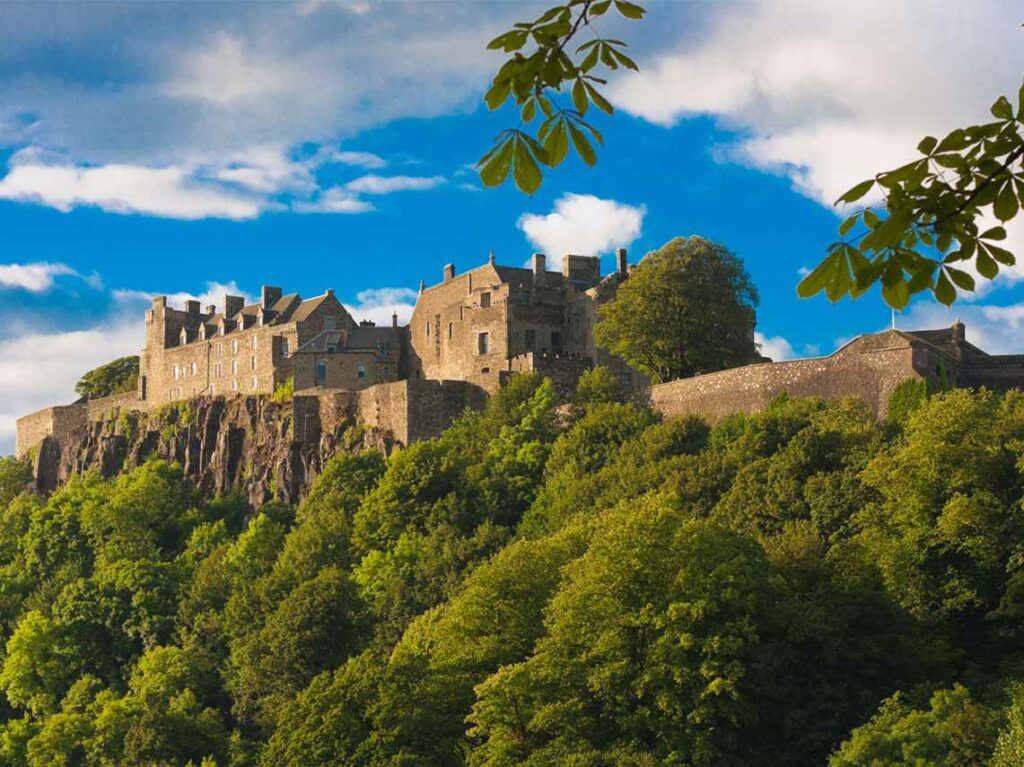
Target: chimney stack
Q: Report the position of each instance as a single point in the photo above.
(269, 296)
(210, 309)
(449, 272)
(538, 269)
(622, 266)
(233, 305)
(394, 319)
(192, 312)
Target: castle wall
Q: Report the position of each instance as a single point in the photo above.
(342, 370)
(869, 368)
(60, 423)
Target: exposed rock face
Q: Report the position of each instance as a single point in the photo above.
(242, 443)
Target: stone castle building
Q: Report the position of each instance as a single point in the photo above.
(468, 334)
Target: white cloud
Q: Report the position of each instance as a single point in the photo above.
(359, 159)
(170, 192)
(35, 278)
(334, 200)
(379, 304)
(213, 294)
(775, 347)
(374, 184)
(584, 225)
(996, 329)
(830, 93)
(39, 370)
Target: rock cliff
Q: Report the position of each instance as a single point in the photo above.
(242, 444)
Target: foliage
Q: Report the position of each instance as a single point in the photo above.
(121, 375)
(687, 308)
(284, 391)
(14, 477)
(929, 227)
(783, 588)
(541, 67)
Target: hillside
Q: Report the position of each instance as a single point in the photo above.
(806, 585)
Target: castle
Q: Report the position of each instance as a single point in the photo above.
(467, 335)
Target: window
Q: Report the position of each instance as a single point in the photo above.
(217, 370)
(531, 339)
(234, 346)
(175, 372)
(331, 348)
(485, 300)
(234, 367)
(387, 370)
(193, 368)
(556, 342)
(428, 330)
(330, 323)
(255, 382)
(361, 371)
(284, 348)
(483, 343)
(252, 362)
(321, 371)
(383, 348)
(450, 326)
(254, 342)
(234, 384)
(525, 297)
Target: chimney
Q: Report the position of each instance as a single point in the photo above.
(622, 266)
(423, 286)
(233, 305)
(449, 272)
(210, 309)
(269, 296)
(490, 258)
(394, 319)
(192, 312)
(538, 269)
(958, 333)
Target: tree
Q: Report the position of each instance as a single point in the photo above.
(121, 375)
(533, 79)
(687, 308)
(14, 477)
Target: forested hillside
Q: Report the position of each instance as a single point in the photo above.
(805, 586)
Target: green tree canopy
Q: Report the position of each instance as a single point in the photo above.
(687, 308)
(121, 375)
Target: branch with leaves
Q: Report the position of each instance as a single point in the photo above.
(537, 74)
(927, 227)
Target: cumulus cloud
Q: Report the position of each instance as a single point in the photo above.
(775, 347)
(379, 304)
(374, 184)
(994, 328)
(213, 294)
(39, 370)
(584, 225)
(366, 160)
(35, 278)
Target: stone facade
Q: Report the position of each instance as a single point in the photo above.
(494, 319)
(869, 368)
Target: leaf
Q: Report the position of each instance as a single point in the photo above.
(599, 101)
(510, 41)
(1002, 255)
(529, 111)
(494, 171)
(1020, 102)
(896, 293)
(848, 224)
(963, 280)
(582, 146)
(556, 144)
(1002, 109)
(599, 9)
(497, 94)
(591, 59)
(995, 233)
(928, 143)
(629, 10)
(527, 175)
(944, 290)
(954, 141)
(579, 97)
(822, 275)
(1006, 205)
(987, 267)
(625, 60)
(857, 192)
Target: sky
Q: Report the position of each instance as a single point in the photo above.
(194, 149)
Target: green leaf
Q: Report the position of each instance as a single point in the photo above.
(954, 142)
(494, 170)
(579, 97)
(963, 280)
(857, 192)
(995, 233)
(625, 60)
(848, 224)
(822, 275)
(599, 101)
(591, 59)
(928, 143)
(556, 144)
(497, 94)
(582, 146)
(1002, 109)
(896, 292)
(629, 10)
(943, 290)
(1002, 255)
(510, 41)
(987, 267)
(599, 9)
(529, 111)
(1006, 205)
(527, 175)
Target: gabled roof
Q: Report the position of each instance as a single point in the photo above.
(362, 338)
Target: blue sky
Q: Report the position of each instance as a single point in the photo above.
(187, 149)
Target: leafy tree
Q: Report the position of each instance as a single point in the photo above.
(14, 476)
(542, 65)
(687, 308)
(36, 671)
(121, 375)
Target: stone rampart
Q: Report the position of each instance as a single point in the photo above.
(868, 374)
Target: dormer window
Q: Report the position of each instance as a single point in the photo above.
(332, 349)
(184, 336)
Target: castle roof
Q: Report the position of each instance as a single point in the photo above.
(361, 338)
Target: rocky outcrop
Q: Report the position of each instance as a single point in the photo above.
(244, 444)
